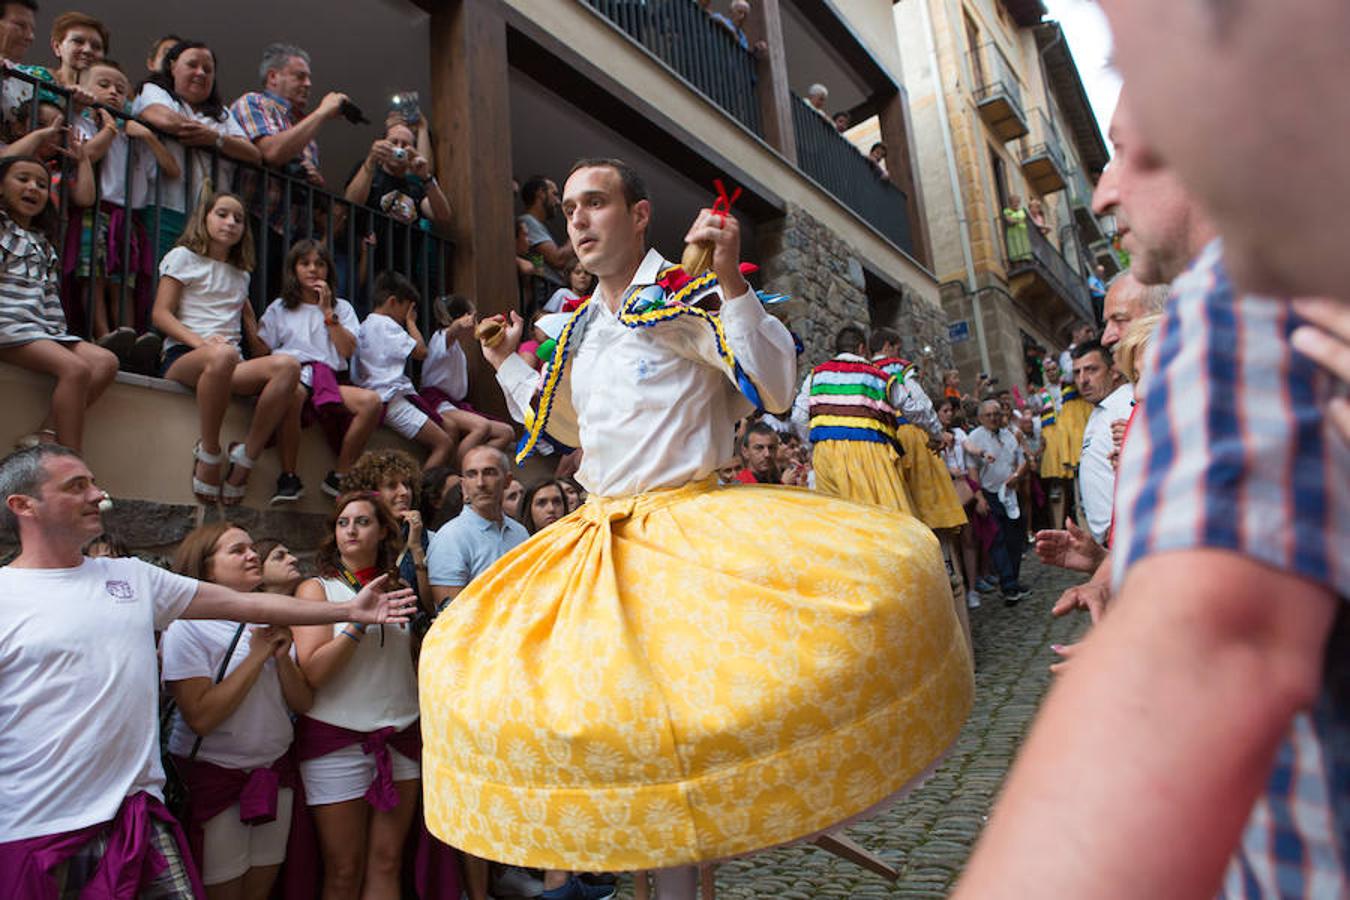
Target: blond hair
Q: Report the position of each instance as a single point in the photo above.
(196, 238)
(1136, 340)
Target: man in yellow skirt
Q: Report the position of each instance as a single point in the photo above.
(918, 432)
(678, 672)
(847, 406)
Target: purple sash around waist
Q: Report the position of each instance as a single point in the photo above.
(314, 739)
(212, 789)
(129, 863)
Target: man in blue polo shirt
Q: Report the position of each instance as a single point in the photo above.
(478, 536)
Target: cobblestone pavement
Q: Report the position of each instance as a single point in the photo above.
(930, 834)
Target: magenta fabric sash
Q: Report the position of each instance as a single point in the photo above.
(314, 739)
(212, 789)
(129, 863)
(434, 397)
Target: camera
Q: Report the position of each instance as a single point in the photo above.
(405, 104)
(352, 113)
(399, 153)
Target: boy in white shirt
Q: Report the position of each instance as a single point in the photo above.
(388, 336)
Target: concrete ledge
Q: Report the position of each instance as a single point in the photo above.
(138, 440)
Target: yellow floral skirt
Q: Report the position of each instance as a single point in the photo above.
(687, 675)
(861, 471)
(929, 482)
(1073, 417)
(1054, 453)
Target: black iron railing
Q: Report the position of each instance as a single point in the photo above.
(703, 52)
(1044, 140)
(1027, 248)
(829, 159)
(994, 77)
(283, 206)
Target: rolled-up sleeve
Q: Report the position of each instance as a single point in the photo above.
(763, 348)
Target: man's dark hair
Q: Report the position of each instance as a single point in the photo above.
(6, 4)
(761, 428)
(532, 188)
(875, 146)
(24, 472)
(392, 284)
(1092, 346)
(849, 339)
(634, 188)
(170, 37)
(881, 337)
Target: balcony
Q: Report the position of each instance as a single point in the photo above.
(1080, 199)
(698, 49)
(1042, 157)
(831, 161)
(1039, 275)
(998, 93)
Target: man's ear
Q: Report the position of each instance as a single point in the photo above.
(20, 505)
(642, 213)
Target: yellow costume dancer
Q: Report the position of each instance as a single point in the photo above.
(925, 474)
(848, 407)
(679, 672)
(1073, 416)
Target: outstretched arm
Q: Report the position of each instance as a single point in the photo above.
(372, 606)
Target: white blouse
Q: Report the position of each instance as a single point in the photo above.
(656, 407)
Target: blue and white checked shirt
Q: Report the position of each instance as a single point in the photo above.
(1230, 450)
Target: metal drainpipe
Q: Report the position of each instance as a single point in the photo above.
(963, 223)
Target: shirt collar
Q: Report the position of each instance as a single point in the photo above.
(277, 98)
(647, 272)
(851, 357)
(473, 518)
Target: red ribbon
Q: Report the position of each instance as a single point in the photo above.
(722, 205)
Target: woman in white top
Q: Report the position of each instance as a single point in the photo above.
(311, 323)
(954, 455)
(201, 308)
(241, 722)
(445, 378)
(364, 681)
(182, 99)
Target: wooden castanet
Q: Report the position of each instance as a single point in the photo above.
(697, 258)
(490, 332)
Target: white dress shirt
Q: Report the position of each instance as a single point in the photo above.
(656, 407)
(1096, 476)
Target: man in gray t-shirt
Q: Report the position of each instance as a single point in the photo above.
(994, 452)
(540, 196)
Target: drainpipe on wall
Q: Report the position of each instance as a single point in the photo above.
(963, 223)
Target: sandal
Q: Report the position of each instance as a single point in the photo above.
(205, 492)
(233, 494)
(41, 436)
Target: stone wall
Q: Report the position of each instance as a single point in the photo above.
(803, 258)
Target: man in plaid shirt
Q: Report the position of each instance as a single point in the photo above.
(1201, 740)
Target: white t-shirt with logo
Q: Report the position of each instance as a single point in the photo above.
(382, 350)
(213, 293)
(79, 690)
(256, 733)
(302, 333)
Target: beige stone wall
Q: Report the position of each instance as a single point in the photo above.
(585, 32)
(871, 21)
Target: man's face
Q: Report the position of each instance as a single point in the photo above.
(79, 48)
(991, 416)
(67, 501)
(1123, 304)
(292, 82)
(484, 481)
(1246, 101)
(18, 31)
(1052, 372)
(761, 454)
(607, 234)
(1005, 402)
(401, 137)
(1095, 379)
(552, 199)
(1158, 222)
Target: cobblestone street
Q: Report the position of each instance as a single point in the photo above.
(930, 834)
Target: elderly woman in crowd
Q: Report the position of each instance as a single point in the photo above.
(280, 569)
(358, 745)
(235, 687)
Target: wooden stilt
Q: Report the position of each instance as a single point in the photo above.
(846, 848)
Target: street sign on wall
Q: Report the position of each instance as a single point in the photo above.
(958, 332)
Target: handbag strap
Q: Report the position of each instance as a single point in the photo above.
(220, 676)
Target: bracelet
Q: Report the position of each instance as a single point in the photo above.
(331, 320)
(220, 140)
(356, 639)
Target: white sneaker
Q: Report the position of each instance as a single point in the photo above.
(972, 599)
(516, 882)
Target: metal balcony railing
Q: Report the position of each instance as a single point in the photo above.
(998, 91)
(698, 49)
(284, 206)
(1044, 142)
(829, 159)
(1033, 252)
